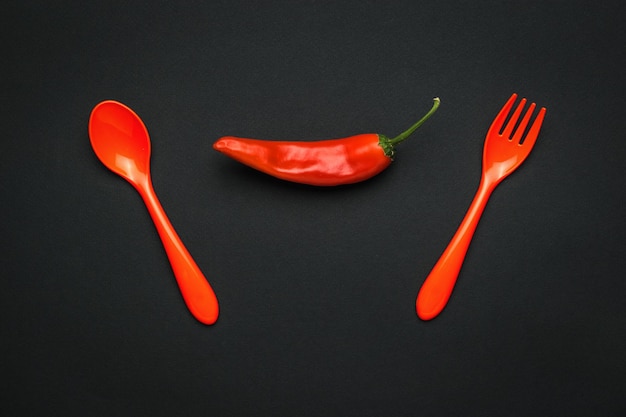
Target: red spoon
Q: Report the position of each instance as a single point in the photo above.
(121, 142)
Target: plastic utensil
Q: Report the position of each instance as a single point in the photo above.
(502, 154)
(121, 142)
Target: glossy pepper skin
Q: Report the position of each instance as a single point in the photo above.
(320, 163)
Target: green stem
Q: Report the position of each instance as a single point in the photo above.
(402, 136)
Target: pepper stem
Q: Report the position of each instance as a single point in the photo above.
(402, 136)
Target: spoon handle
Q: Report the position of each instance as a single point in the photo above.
(436, 290)
(196, 290)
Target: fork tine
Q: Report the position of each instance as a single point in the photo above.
(511, 124)
(531, 137)
(522, 126)
(497, 123)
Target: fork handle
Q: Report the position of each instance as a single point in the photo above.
(436, 290)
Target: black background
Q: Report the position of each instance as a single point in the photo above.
(316, 286)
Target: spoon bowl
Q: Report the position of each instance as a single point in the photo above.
(121, 141)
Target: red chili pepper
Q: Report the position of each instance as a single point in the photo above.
(324, 163)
